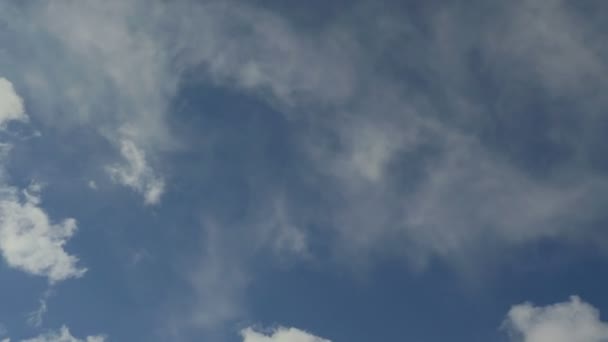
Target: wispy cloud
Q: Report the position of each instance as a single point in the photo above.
(137, 174)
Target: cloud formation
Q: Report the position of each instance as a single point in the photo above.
(404, 166)
(136, 174)
(63, 335)
(280, 334)
(29, 239)
(11, 104)
(31, 242)
(571, 321)
(108, 73)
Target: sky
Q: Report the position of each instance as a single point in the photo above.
(265, 171)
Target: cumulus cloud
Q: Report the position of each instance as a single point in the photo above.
(11, 104)
(571, 321)
(29, 239)
(64, 335)
(137, 174)
(280, 334)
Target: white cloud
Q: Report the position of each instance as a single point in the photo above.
(280, 334)
(11, 104)
(137, 174)
(31, 242)
(64, 335)
(572, 321)
(465, 193)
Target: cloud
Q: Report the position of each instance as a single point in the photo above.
(91, 66)
(365, 123)
(280, 334)
(429, 172)
(403, 165)
(36, 317)
(218, 279)
(221, 271)
(11, 104)
(137, 174)
(312, 68)
(29, 240)
(64, 335)
(413, 166)
(572, 321)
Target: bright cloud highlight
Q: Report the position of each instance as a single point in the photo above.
(571, 321)
(280, 334)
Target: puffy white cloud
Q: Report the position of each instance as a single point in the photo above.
(137, 174)
(64, 335)
(11, 104)
(280, 334)
(31, 242)
(572, 321)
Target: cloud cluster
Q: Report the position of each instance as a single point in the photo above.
(280, 334)
(436, 162)
(451, 159)
(29, 239)
(571, 321)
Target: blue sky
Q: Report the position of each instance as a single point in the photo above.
(257, 171)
